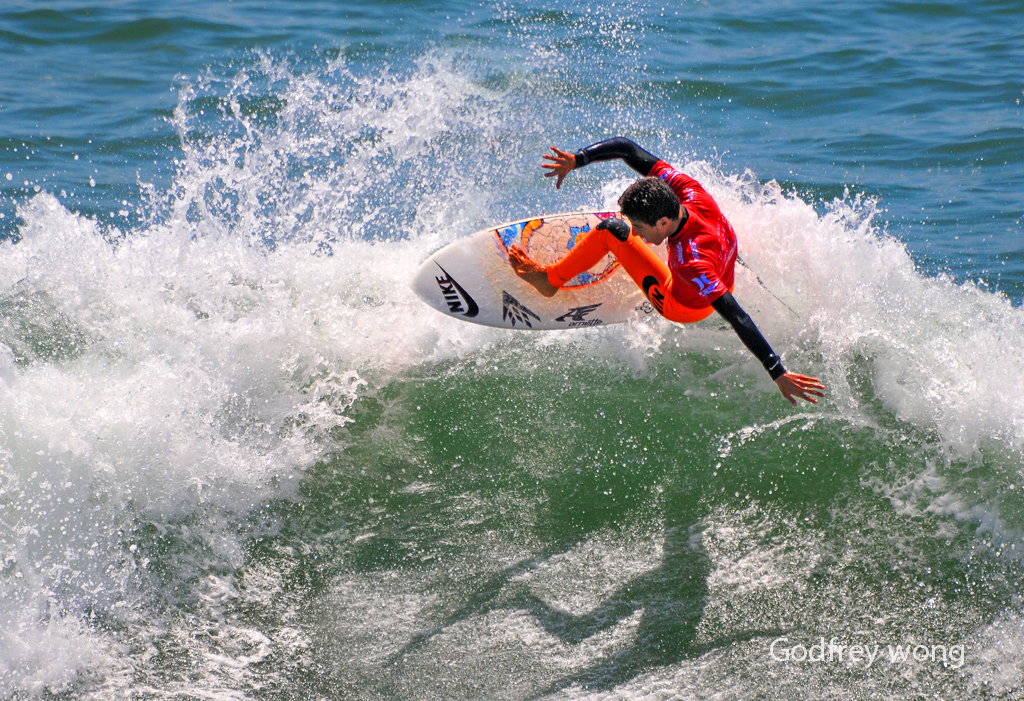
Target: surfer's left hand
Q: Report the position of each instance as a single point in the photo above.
(794, 386)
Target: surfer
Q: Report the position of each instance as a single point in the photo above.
(665, 205)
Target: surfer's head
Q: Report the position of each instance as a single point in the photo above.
(648, 200)
(653, 209)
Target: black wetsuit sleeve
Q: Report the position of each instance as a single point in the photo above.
(620, 147)
(744, 327)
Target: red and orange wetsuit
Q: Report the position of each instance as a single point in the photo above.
(699, 276)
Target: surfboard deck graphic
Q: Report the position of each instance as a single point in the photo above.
(471, 279)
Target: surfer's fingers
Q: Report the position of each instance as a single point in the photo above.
(808, 392)
(556, 171)
(802, 395)
(806, 380)
(809, 395)
(809, 385)
(794, 386)
(560, 160)
(556, 167)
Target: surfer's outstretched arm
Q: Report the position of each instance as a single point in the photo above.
(792, 385)
(562, 162)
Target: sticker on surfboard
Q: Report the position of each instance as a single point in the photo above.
(471, 279)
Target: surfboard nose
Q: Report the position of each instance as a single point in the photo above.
(438, 288)
(442, 280)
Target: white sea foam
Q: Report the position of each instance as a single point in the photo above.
(191, 368)
(996, 657)
(941, 355)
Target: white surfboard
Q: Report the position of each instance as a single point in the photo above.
(471, 279)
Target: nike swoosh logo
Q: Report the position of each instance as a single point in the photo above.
(471, 308)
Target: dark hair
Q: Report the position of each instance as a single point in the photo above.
(649, 200)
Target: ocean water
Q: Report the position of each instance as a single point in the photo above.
(239, 459)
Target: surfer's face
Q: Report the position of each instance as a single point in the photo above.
(657, 233)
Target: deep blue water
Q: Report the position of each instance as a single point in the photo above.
(240, 459)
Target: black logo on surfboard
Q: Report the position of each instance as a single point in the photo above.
(455, 296)
(576, 316)
(514, 310)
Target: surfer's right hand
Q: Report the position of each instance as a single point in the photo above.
(805, 387)
(530, 270)
(561, 164)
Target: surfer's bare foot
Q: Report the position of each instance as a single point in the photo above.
(530, 270)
